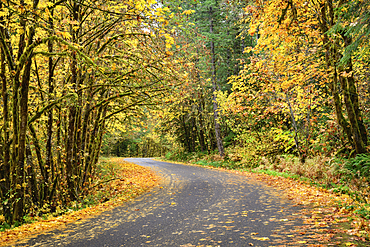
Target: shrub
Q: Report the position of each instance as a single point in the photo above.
(357, 172)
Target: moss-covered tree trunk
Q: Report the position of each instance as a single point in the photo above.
(342, 81)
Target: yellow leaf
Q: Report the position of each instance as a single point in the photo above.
(188, 12)
(66, 35)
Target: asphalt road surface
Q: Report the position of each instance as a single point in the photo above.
(194, 206)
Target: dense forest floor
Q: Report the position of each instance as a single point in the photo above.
(118, 182)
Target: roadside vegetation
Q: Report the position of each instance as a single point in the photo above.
(339, 175)
(333, 185)
(116, 182)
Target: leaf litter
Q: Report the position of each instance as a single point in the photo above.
(328, 219)
(134, 181)
(335, 224)
(322, 217)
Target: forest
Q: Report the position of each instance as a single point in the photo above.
(269, 84)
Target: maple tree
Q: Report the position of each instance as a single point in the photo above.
(299, 80)
(68, 69)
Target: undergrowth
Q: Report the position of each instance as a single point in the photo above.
(338, 175)
(113, 178)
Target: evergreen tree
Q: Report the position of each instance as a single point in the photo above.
(215, 26)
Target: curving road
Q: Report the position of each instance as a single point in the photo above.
(194, 206)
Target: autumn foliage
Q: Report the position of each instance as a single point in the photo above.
(243, 81)
(68, 69)
(291, 87)
(266, 79)
(300, 84)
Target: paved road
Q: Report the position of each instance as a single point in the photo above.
(195, 207)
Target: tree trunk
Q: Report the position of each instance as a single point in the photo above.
(186, 134)
(193, 132)
(219, 142)
(201, 129)
(20, 172)
(73, 116)
(49, 164)
(354, 129)
(85, 138)
(5, 168)
(34, 192)
(70, 164)
(295, 128)
(352, 105)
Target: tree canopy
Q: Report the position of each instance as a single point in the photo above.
(242, 79)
